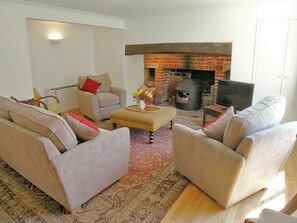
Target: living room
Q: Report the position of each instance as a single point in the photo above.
(94, 43)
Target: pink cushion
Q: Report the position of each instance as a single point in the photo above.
(216, 128)
(91, 86)
(83, 129)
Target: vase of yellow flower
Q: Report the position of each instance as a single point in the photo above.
(143, 97)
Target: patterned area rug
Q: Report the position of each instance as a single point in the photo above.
(143, 195)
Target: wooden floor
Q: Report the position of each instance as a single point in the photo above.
(195, 206)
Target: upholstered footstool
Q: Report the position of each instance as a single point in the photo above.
(150, 119)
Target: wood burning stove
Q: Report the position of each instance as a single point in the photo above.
(188, 94)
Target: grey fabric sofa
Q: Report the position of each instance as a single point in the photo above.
(254, 148)
(71, 177)
(107, 99)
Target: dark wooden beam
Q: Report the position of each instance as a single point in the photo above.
(197, 48)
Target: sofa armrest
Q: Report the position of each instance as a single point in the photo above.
(122, 93)
(88, 104)
(92, 166)
(209, 164)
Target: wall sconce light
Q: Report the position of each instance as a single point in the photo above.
(55, 37)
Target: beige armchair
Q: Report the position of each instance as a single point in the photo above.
(107, 99)
(271, 216)
(253, 151)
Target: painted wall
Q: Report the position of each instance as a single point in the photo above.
(15, 71)
(56, 65)
(109, 54)
(15, 74)
(235, 23)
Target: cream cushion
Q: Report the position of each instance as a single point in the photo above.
(82, 131)
(265, 114)
(45, 123)
(216, 128)
(5, 105)
(108, 99)
(101, 78)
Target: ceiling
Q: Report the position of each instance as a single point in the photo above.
(130, 8)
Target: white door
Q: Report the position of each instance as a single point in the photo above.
(270, 50)
(289, 85)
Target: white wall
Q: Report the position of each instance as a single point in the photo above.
(235, 23)
(109, 54)
(56, 65)
(15, 72)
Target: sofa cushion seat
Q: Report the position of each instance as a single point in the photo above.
(108, 99)
(265, 114)
(45, 123)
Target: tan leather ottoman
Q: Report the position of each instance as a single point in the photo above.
(153, 118)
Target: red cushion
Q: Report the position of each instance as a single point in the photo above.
(90, 86)
(15, 99)
(84, 121)
(83, 129)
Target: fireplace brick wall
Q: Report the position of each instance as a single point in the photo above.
(160, 63)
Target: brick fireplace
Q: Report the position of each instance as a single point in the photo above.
(163, 72)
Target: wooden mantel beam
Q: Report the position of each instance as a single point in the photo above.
(197, 48)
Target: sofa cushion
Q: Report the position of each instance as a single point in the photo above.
(83, 129)
(101, 78)
(5, 105)
(108, 99)
(90, 86)
(45, 123)
(216, 128)
(265, 114)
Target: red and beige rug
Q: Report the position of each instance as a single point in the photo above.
(143, 195)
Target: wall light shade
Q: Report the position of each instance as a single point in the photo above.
(55, 37)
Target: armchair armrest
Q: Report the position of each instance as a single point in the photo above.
(88, 104)
(122, 93)
(92, 166)
(50, 96)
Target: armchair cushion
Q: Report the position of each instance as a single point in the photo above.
(83, 129)
(265, 114)
(101, 78)
(108, 99)
(216, 128)
(90, 86)
(45, 123)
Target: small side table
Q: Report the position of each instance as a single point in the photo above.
(213, 110)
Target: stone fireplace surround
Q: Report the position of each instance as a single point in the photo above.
(158, 70)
